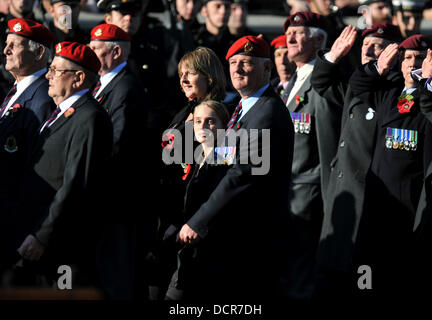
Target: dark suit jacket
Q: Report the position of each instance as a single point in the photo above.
(242, 220)
(18, 133)
(346, 187)
(395, 180)
(125, 100)
(56, 197)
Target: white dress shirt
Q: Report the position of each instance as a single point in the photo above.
(302, 74)
(106, 78)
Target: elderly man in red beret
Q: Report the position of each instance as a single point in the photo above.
(345, 192)
(316, 126)
(23, 110)
(56, 217)
(239, 228)
(284, 67)
(402, 152)
(124, 98)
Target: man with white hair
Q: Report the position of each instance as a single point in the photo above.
(123, 96)
(23, 110)
(316, 126)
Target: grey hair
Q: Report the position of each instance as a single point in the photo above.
(315, 32)
(124, 45)
(34, 45)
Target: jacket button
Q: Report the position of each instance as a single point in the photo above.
(351, 115)
(342, 144)
(340, 175)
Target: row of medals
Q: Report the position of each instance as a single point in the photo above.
(406, 145)
(302, 127)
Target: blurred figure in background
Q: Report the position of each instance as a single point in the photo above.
(64, 24)
(284, 67)
(237, 24)
(408, 15)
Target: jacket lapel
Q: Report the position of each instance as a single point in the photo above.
(245, 119)
(393, 114)
(110, 86)
(26, 95)
(302, 92)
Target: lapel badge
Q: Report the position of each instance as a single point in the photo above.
(248, 47)
(69, 112)
(98, 32)
(11, 144)
(17, 27)
(370, 114)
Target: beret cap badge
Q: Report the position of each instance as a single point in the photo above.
(380, 31)
(17, 27)
(424, 44)
(98, 32)
(58, 48)
(296, 18)
(248, 47)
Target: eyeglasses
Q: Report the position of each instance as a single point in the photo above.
(58, 73)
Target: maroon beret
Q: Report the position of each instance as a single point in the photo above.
(383, 30)
(109, 32)
(31, 30)
(416, 42)
(250, 46)
(78, 53)
(306, 19)
(279, 42)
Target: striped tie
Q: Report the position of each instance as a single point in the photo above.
(235, 116)
(51, 118)
(9, 96)
(289, 87)
(96, 89)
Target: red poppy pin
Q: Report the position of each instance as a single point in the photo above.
(69, 112)
(186, 170)
(405, 103)
(167, 141)
(14, 109)
(299, 99)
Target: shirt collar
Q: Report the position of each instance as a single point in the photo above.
(305, 70)
(249, 102)
(106, 78)
(27, 81)
(66, 104)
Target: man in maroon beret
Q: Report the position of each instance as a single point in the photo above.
(284, 67)
(124, 98)
(402, 152)
(57, 218)
(316, 126)
(231, 226)
(345, 192)
(22, 111)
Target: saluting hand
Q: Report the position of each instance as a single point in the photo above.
(343, 43)
(31, 248)
(427, 65)
(386, 58)
(187, 235)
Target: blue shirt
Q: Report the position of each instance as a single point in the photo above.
(249, 102)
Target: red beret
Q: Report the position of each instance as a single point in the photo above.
(31, 30)
(306, 19)
(416, 42)
(250, 46)
(109, 32)
(383, 30)
(78, 53)
(279, 42)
